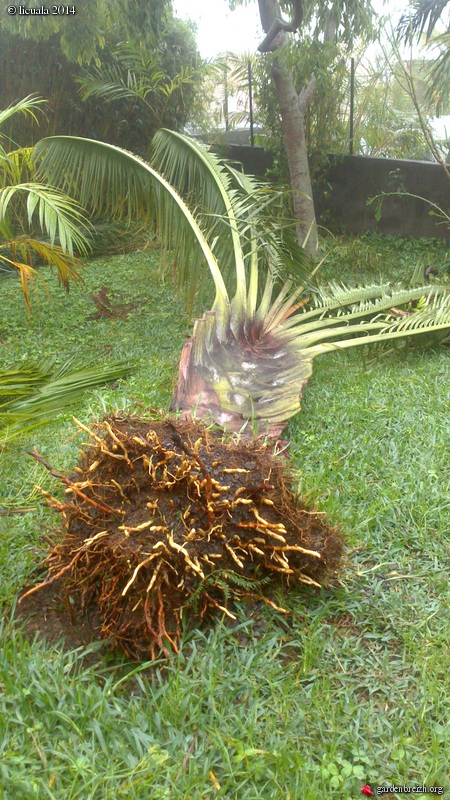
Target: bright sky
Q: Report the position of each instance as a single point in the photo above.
(219, 29)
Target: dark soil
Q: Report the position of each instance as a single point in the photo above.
(49, 613)
(165, 520)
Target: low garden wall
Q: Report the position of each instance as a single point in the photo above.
(350, 181)
(345, 186)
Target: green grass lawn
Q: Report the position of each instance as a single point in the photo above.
(353, 687)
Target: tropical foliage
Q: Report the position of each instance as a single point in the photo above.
(137, 82)
(326, 119)
(250, 356)
(37, 221)
(39, 224)
(90, 44)
(319, 26)
(32, 394)
(386, 121)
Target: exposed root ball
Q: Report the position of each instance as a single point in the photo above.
(163, 517)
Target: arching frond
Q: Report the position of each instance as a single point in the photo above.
(107, 179)
(32, 394)
(238, 211)
(59, 217)
(112, 84)
(198, 174)
(27, 106)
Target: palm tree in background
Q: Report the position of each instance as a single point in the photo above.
(39, 223)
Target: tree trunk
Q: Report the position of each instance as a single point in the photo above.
(292, 111)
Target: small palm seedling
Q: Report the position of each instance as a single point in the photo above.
(159, 514)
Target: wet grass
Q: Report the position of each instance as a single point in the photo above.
(352, 688)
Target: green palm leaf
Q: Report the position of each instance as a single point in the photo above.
(111, 85)
(107, 179)
(59, 217)
(33, 394)
(27, 106)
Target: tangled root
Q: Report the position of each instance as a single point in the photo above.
(163, 517)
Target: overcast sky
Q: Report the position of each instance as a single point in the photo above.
(218, 28)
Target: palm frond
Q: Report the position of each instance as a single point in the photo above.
(27, 106)
(23, 247)
(239, 213)
(107, 179)
(199, 176)
(27, 275)
(59, 217)
(140, 58)
(31, 395)
(341, 300)
(67, 266)
(112, 84)
(422, 17)
(20, 382)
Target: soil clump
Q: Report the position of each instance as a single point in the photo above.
(164, 520)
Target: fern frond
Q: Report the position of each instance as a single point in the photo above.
(224, 579)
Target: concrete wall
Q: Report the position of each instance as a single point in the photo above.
(343, 189)
(351, 181)
(255, 160)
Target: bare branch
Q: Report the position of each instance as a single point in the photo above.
(279, 24)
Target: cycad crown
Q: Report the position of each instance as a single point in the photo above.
(249, 357)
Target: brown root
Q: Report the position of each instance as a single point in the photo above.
(163, 517)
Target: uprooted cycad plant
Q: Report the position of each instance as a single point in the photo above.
(162, 517)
